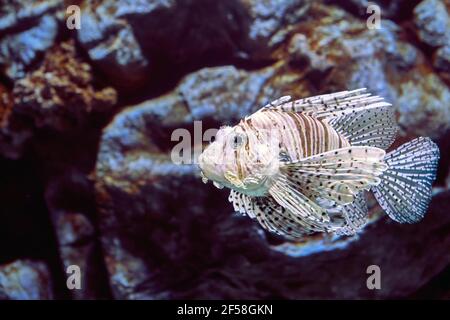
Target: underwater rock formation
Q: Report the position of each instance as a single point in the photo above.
(111, 44)
(148, 238)
(13, 131)
(127, 40)
(19, 48)
(60, 94)
(433, 22)
(271, 22)
(395, 10)
(88, 117)
(25, 280)
(442, 60)
(69, 199)
(139, 191)
(339, 52)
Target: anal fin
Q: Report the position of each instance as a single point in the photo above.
(355, 215)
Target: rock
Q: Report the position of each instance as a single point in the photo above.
(350, 282)
(70, 202)
(423, 106)
(219, 30)
(30, 29)
(36, 40)
(212, 93)
(141, 226)
(147, 175)
(164, 240)
(126, 176)
(432, 22)
(129, 40)
(13, 131)
(77, 247)
(124, 37)
(271, 21)
(300, 53)
(441, 61)
(25, 280)
(60, 94)
(16, 12)
(340, 53)
(165, 236)
(111, 44)
(73, 228)
(394, 10)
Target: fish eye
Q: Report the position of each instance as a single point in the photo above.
(237, 141)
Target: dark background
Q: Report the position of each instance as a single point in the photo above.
(86, 118)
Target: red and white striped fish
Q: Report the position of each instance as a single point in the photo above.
(304, 166)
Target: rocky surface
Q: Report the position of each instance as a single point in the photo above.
(89, 119)
(136, 187)
(394, 10)
(59, 96)
(340, 52)
(25, 280)
(29, 28)
(60, 93)
(433, 22)
(69, 200)
(13, 131)
(442, 60)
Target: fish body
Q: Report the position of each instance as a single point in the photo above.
(304, 166)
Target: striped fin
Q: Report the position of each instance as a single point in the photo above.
(278, 101)
(405, 189)
(335, 105)
(337, 175)
(269, 214)
(369, 127)
(241, 203)
(277, 219)
(355, 215)
(285, 193)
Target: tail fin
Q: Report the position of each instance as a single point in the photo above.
(405, 188)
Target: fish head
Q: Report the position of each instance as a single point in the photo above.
(240, 159)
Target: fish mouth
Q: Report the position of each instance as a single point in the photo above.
(218, 185)
(215, 183)
(201, 166)
(204, 178)
(209, 172)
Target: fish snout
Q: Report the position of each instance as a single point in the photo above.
(200, 161)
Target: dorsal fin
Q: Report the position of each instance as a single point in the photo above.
(372, 127)
(363, 119)
(333, 105)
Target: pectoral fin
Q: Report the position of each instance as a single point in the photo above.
(337, 175)
(287, 195)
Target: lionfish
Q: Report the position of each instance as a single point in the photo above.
(304, 166)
